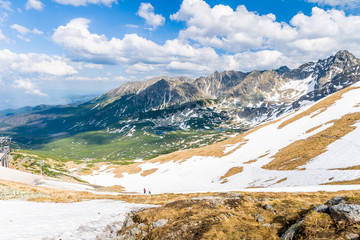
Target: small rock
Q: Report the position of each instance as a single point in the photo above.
(141, 226)
(235, 195)
(345, 212)
(259, 218)
(134, 232)
(159, 223)
(129, 222)
(336, 200)
(352, 236)
(269, 225)
(268, 207)
(321, 208)
(291, 232)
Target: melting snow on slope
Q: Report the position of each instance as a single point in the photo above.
(199, 173)
(72, 221)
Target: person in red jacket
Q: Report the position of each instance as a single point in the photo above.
(144, 191)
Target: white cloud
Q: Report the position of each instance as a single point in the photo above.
(33, 63)
(24, 31)
(325, 32)
(28, 86)
(21, 29)
(77, 3)
(5, 5)
(146, 11)
(234, 31)
(131, 26)
(349, 3)
(305, 38)
(138, 53)
(121, 78)
(34, 4)
(23, 38)
(83, 78)
(94, 66)
(218, 38)
(2, 36)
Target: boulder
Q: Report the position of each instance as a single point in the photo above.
(321, 208)
(291, 232)
(336, 200)
(345, 212)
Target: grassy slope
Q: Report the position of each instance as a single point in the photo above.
(121, 148)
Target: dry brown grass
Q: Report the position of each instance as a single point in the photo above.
(321, 106)
(234, 219)
(317, 226)
(148, 172)
(130, 169)
(232, 171)
(300, 152)
(251, 161)
(281, 180)
(350, 182)
(357, 167)
(314, 128)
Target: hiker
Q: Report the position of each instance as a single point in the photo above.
(149, 192)
(144, 191)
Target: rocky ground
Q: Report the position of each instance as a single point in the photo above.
(238, 216)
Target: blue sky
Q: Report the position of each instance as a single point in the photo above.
(51, 50)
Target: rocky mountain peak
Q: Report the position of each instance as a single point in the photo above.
(344, 59)
(282, 70)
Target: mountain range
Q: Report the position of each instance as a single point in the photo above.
(311, 149)
(179, 112)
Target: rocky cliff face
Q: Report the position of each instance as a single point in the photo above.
(243, 91)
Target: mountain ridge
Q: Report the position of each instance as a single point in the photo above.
(224, 103)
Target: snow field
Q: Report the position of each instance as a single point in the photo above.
(22, 220)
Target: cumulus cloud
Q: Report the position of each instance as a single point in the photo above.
(234, 31)
(33, 63)
(34, 4)
(218, 38)
(147, 12)
(28, 86)
(306, 37)
(138, 53)
(25, 71)
(77, 3)
(325, 32)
